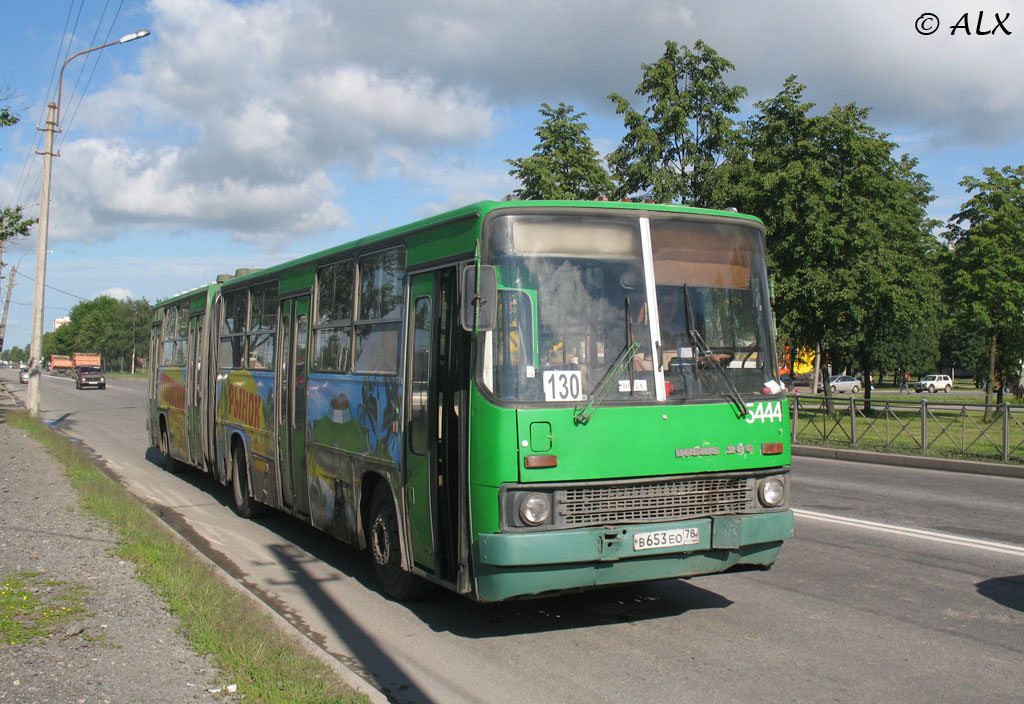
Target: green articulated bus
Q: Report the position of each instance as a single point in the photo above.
(509, 399)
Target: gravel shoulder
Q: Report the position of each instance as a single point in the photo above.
(123, 646)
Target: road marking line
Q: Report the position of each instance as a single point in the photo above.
(949, 539)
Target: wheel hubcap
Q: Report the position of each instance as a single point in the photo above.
(381, 541)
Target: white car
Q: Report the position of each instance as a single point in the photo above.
(934, 383)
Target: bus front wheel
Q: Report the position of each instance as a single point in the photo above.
(386, 550)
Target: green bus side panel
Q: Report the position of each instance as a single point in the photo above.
(493, 459)
(456, 239)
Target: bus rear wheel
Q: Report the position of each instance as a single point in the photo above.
(170, 464)
(245, 505)
(386, 550)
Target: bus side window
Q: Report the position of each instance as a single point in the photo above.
(378, 327)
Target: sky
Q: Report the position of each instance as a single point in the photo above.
(243, 134)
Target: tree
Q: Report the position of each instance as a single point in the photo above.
(16, 354)
(118, 330)
(987, 267)
(848, 239)
(564, 165)
(12, 224)
(7, 118)
(675, 147)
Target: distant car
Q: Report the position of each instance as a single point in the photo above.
(934, 383)
(90, 376)
(23, 376)
(841, 383)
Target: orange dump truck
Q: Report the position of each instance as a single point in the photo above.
(85, 359)
(60, 364)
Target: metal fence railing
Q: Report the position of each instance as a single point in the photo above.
(966, 431)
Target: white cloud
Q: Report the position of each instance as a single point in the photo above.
(256, 113)
(120, 294)
(149, 189)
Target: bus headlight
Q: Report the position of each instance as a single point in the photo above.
(771, 492)
(535, 509)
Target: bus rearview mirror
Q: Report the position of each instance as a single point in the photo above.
(479, 298)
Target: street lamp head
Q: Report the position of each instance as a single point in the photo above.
(133, 36)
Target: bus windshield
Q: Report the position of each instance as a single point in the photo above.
(575, 291)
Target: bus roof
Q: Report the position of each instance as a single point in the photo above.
(475, 210)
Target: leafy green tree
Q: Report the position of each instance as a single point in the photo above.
(118, 330)
(15, 354)
(60, 341)
(132, 325)
(673, 149)
(564, 164)
(14, 224)
(987, 267)
(848, 239)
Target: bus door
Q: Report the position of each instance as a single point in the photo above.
(193, 391)
(435, 444)
(153, 367)
(293, 325)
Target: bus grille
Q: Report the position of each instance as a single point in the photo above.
(660, 501)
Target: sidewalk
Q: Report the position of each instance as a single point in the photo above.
(119, 645)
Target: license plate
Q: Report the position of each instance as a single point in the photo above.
(665, 538)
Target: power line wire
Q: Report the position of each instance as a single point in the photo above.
(23, 180)
(95, 65)
(53, 288)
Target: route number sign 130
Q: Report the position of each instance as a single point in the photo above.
(563, 386)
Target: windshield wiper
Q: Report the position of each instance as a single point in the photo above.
(704, 351)
(611, 377)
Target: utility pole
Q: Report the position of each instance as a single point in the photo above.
(52, 125)
(35, 366)
(7, 303)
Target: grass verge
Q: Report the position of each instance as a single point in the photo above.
(34, 607)
(245, 644)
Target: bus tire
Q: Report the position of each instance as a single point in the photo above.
(245, 505)
(170, 464)
(386, 550)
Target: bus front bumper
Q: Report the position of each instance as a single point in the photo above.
(519, 564)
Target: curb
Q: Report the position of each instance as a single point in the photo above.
(353, 680)
(357, 683)
(912, 461)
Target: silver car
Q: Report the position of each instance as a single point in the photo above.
(841, 383)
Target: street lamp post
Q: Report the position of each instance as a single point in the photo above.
(52, 125)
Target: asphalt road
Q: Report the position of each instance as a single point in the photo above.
(900, 585)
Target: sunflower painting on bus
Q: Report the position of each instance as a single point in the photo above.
(172, 398)
(246, 400)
